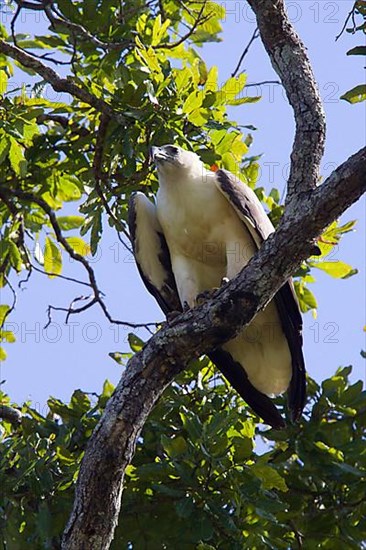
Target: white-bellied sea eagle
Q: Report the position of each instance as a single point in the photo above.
(203, 227)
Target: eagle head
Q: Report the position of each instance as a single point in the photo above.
(173, 161)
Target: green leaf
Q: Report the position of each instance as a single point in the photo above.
(174, 446)
(212, 78)
(159, 30)
(335, 453)
(270, 478)
(193, 101)
(185, 507)
(79, 245)
(108, 388)
(70, 222)
(151, 92)
(15, 257)
(3, 311)
(52, 258)
(357, 50)
(65, 456)
(357, 94)
(70, 10)
(135, 342)
(242, 100)
(275, 194)
(80, 402)
(202, 69)
(7, 336)
(4, 147)
(17, 160)
(68, 188)
(307, 300)
(337, 269)
(120, 358)
(192, 424)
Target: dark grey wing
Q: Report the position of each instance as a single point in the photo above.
(236, 375)
(291, 321)
(251, 212)
(152, 253)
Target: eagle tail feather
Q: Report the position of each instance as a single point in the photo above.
(258, 401)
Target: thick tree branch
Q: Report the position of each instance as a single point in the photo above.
(290, 61)
(150, 371)
(58, 83)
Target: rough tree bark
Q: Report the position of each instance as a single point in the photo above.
(309, 209)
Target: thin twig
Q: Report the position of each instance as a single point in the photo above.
(263, 83)
(254, 36)
(351, 14)
(12, 23)
(30, 267)
(35, 7)
(198, 21)
(59, 275)
(75, 256)
(12, 307)
(63, 120)
(71, 311)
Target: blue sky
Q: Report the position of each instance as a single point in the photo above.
(63, 358)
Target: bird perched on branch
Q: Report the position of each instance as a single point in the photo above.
(204, 227)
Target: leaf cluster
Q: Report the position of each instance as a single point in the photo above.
(205, 474)
(358, 24)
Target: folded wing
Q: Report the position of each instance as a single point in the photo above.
(250, 211)
(152, 253)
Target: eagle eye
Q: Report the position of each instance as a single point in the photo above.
(172, 150)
